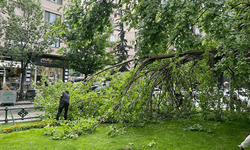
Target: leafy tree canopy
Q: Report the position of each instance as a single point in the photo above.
(85, 29)
(23, 30)
(168, 29)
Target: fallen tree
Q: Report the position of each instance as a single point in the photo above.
(173, 57)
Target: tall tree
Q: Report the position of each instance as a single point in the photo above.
(23, 30)
(85, 29)
(122, 48)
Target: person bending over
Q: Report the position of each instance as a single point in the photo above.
(64, 104)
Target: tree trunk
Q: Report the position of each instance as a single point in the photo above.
(23, 71)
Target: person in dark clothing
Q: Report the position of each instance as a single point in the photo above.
(64, 104)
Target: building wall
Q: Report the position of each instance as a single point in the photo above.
(53, 72)
(52, 7)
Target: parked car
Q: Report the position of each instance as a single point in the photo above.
(195, 94)
(241, 95)
(79, 79)
(97, 86)
(156, 92)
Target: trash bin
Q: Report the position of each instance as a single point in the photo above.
(30, 94)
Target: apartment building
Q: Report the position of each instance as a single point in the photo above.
(45, 64)
(55, 72)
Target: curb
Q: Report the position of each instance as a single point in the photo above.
(23, 103)
(17, 103)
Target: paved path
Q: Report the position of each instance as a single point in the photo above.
(17, 107)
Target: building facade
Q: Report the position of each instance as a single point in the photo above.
(45, 65)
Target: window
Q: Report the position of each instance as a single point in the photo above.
(57, 1)
(163, 1)
(117, 14)
(56, 44)
(12, 43)
(79, 2)
(112, 17)
(124, 24)
(197, 31)
(112, 38)
(50, 17)
(114, 25)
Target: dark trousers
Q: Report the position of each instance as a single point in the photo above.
(60, 108)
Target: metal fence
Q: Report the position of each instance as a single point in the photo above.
(21, 115)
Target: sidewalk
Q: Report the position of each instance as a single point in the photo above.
(24, 103)
(20, 105)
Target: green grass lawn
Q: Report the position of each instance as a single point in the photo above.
(168, 135)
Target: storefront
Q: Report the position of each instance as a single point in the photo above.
(10, 74)
(46, 65)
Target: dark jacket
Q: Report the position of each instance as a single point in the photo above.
(65, 98)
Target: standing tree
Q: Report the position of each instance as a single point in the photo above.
(85, 29)
(23, 30)
(121, 48)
